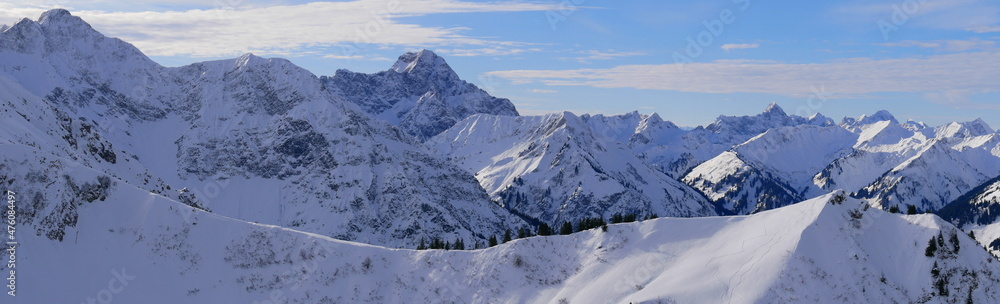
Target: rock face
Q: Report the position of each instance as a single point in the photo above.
(420, 94)
(252, 138)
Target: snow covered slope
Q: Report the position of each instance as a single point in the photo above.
(979, 206)
(676, 154)
(420, 93)
(824, 249)
(252, 138)
(770, 170)
(942, 170)
(559, 168)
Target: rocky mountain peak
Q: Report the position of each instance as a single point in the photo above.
(774, 110)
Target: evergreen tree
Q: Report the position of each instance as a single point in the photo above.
(931, 248)
(544, 229)
(447, 246)
(954, 241)
(566, 229)
(422, 246)
(894, 209)
(940, 240)
(459, 244)
(972, 234)
(911, 209)
(493, 240)
(935, 271)
(506, 236)
(522, 233)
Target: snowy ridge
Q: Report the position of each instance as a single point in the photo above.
(771, 169)
(824, 248)
(675, 153)
(979, 206)
(555, 168)
(953, 165)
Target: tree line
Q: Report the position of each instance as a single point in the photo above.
(542, 229)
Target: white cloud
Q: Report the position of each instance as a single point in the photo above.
(971, 72)
(544, 91)
(952, 14)
(591, 55)
(736, 46)
(911, 43)
(358, 57)
(985, 29)
(947, 45)
(347, 27)
(500, 49)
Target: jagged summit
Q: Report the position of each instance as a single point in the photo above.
(59, 16)
(881, 115)
(420, 93)
(973, 128)
(416, 60)
(774, 109)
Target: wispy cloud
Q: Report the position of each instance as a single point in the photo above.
(951, 14)
(947, 45)
(500, 49)
(226, 31)
(972, 72)
(357, 57)
(736, 46)
(591, 55)
(984, 29)
(958, 99)
(544, 91)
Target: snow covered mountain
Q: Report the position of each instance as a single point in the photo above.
(420, 93)
(676, 152)
(563, 167)
(251, 138)
(770, 170)
(826, 248)
(960, 157)
(979, 206)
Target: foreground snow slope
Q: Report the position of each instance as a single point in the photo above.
(150, 245)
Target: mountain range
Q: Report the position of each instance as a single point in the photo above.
(253, 176)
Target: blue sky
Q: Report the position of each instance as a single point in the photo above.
(929, 60)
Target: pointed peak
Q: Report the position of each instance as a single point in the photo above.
(55, 14)
(881, 115)
(417, 60)
(248, 59)
(774, 109)
(655, 117)
(979, 127)
(820, 120)
(61, 17)
(980, 121)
